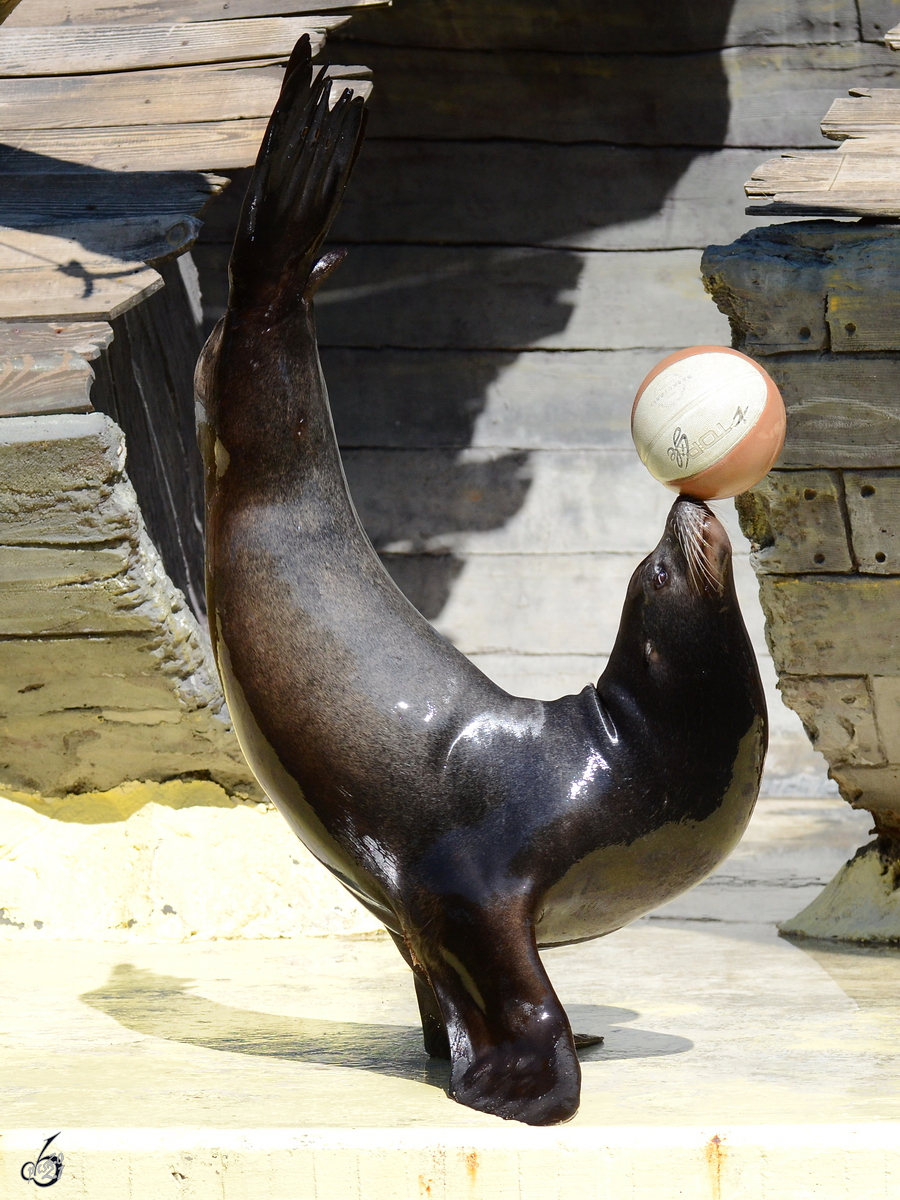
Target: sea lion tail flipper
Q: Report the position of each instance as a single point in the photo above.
(512, 1052)
(301, 171)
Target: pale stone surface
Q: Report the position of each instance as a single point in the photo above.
(161, 862)
(293, 1068)
(861, 904)
(105, 675)
(839, 717)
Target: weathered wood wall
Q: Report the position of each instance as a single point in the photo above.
(526, 224)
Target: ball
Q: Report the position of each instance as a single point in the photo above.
(708, 422)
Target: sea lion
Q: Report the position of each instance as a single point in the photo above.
(476, 825)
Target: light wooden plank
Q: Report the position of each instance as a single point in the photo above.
(44, 369)
(833, 184)
(192, 146)
(38, 293)
(744, 96)
(44, 383)
(841, 409)
(87, 339)
(139, 97)
(214, 145)
(33, 13)
(77, 49)
(866, 112)
(584, 26)
(42, 276)
(892, 38)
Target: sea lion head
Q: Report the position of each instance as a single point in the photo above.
(681, 632)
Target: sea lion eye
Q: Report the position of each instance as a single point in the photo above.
(661, 578)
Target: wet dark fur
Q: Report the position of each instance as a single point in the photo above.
(476, 825)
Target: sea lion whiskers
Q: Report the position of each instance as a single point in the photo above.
(690, 523)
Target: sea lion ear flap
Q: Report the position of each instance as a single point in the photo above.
(324, 267)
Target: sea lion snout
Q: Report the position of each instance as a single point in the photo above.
(704, 544)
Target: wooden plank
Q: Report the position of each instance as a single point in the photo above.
(42, 276)
(512, 299)
(85, 339)
(415, 399)
(6, 8)
(532, 603)
(795, 523)
(42, 199)
(583, 25)
(892, 38)
(506, 193)
(506, 501)
(745, 96)
(191, 146)
(44, 383)
(81, 49)
(830, 184)
(873, 505)
(139, 97)
(147, 149)
(44, 368)
(866, 112)
(152, 12)
(833, 625)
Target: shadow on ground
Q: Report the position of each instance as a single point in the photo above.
(161, 1006)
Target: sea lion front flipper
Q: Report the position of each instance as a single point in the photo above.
(511, 1048)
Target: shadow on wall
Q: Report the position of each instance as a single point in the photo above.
(501, 135)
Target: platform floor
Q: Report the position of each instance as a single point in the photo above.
(292, 1068)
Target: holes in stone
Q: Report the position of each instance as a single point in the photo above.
(810, 494)
(880, 556)
(805, 334)
(867, 490)
(819, 558)
(850, 328)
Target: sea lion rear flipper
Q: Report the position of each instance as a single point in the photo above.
(511, 1048)
(301, 171)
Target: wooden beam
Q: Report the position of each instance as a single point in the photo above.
(87, 49)
(150, 12)
(180, 146)
(139, 98)
(892, 38)
(51, 278)
(866, 112)
(30, 199)
(45, 368)
(831, 184)
(584, 26)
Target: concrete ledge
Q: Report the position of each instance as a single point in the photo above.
(762, 1162)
